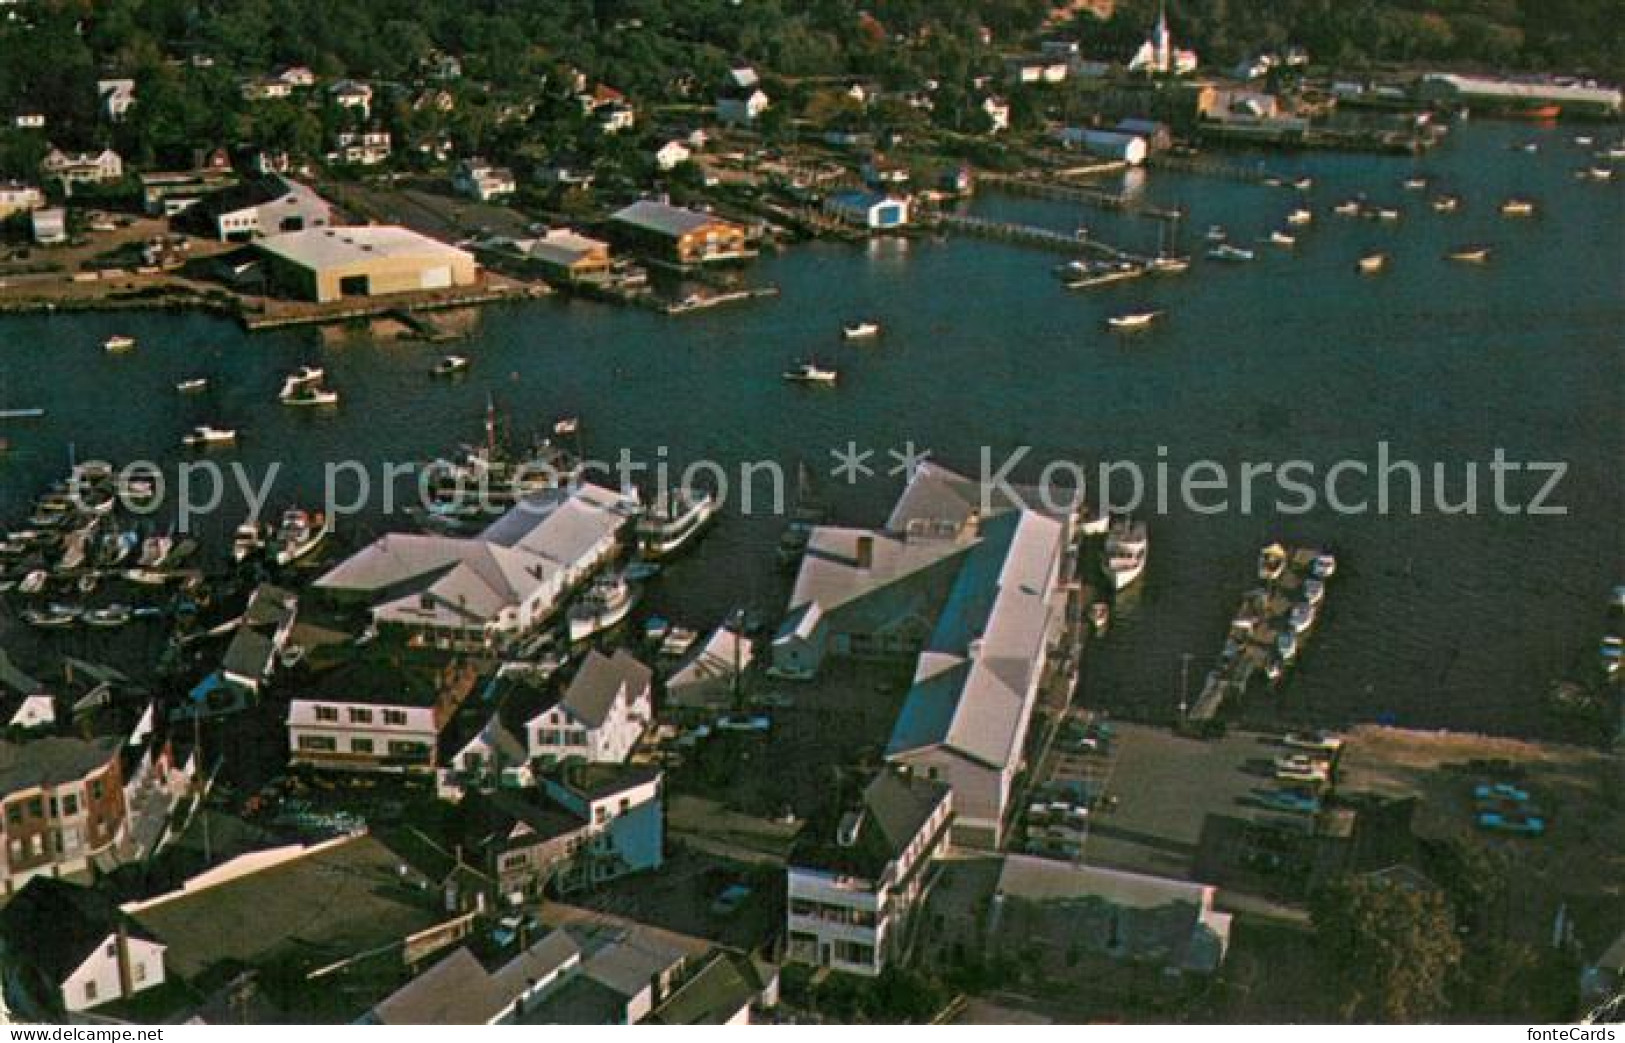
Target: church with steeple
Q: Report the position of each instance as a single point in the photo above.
(1158, 56)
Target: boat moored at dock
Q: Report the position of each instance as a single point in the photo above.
(604, 605)
(673, 521)
(1128, 544)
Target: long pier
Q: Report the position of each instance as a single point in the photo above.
(1215, 168)
(1051, 189)
(1031, 235)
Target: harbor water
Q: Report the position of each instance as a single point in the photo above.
(1461, 621)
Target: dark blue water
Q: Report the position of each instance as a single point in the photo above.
(1461, 621)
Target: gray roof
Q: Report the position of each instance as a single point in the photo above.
(974, 681)
(560, 246)
(663, 218)
(452, 581)
(938, 497)
(249, 654)
(626, 960)
(459, 990)
(335, 247)
(51, 761)
(601, 681)
(896, 807)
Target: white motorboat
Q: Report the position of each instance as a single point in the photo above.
(310, 395)
(1300, 217)
(1516, 207)
(1271, 562)
(1286, 645)
(1372, 263)
(1324, 567)
(673, 521)
(1168, 264)
(450, 366)
(304, 376)
(1280, 238)
(1314, 590)
(118, 342)
(604, 605)
(1304, 184)
(1416, 184)
(1446, 204)
(34, 582)
(298, 534)
(1387, 213)
(1228, 252)
(1134, 320)
(192, 386)
(1347, 208)
(108, 617)
(205, 435)
(1127, 546)
(810, 372)
(247, 541)
(861, 331)
(1470, 254)
(1302, 616)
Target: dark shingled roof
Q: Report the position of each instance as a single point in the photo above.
(601, 677)
(56, 925)
(50, 761)
(895, 808)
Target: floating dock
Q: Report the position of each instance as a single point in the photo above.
(1270, 628)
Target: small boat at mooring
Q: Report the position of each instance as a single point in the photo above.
(810, 372)
(118, 342)
(861, 331)
(205, 435)
(1134, 320)
(450, 366)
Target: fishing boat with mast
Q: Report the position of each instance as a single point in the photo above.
(483, 482)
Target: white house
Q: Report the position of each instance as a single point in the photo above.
(490, 589)
(29, 121)
(375, 716)
(18, 198)
(998, 113)
(853, 888)
(671, 154)
(66, 949)
(480, 180)
(265, 206)
(742, 107)
(296, 76)
(366, 148)
(75, 168)
(50, 225)
(623, 809)
(615, 117)
(873, 210)
(602, 714)
(349, 94)
(117, 96)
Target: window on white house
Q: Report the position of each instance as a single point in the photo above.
(90, 992)
(327, 713)
(395, 717)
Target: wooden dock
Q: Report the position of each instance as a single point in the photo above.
(1205, 166)
(1075, 245)
(1051, 188)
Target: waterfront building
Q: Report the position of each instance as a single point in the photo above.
(566, 255)
(978, 604)
(872, 210)
(1106, 144)
(1573, 98)
(679, 235)
(485, 591)
(266, 206)
(854, 888)
(329, 264)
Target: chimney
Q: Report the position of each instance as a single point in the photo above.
(126, 979)
(866, 552)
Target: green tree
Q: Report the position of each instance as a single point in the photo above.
(1394, 949)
